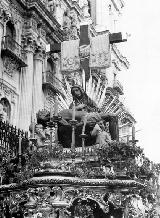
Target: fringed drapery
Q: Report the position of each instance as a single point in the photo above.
(70, 60)
(100, 56)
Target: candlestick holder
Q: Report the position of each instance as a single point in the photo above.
(20, 152)
(83, 136)
(133, 142)
(73, 123)
(20, 163)
(54, 123)
(32, 137)
(54, 120)
(33, 140)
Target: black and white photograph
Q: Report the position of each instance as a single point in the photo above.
(79, 109)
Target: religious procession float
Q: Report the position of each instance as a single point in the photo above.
(73, 165)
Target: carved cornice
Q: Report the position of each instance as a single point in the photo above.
(72, 181)
(38, 7)
(74, 5)
(122, 59)
(124, 113)
(83, 182)
(14, 11)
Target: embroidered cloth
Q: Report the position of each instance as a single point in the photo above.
(70, 60)
(100, 56)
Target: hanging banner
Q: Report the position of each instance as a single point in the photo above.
(100, 55)
(70, 60)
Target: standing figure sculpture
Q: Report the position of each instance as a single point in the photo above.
(40, 135)
(103, 137)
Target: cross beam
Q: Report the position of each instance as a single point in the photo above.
(113, 38)
(85, 41)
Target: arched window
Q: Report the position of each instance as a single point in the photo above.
(10, 30)
(50, 66)
(6, 109)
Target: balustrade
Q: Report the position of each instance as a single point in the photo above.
(50, 79)
(11, 48)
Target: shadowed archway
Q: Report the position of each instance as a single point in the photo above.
(86, 208)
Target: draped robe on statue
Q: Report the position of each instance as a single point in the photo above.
(87, 111)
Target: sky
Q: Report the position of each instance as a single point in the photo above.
(141, 19)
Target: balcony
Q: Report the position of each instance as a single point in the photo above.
(118, 87)
(12, 49)
(50, 81)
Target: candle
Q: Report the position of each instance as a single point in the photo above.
(133, 133)
(73, 112)
(33, 127)
(20, 145)
(127, 139)
(84, 125)
(56, 106)
(0, 178)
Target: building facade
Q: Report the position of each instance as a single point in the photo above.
(63, 172)
(31, 76)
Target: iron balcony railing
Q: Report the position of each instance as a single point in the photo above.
(50, 79)
(11, 47)
(117, 85)
(9, 139)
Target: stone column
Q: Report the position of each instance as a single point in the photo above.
(26, 86)
(37, 81)
(1, 35)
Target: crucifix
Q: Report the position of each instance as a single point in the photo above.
(84, 42)
(84, 59)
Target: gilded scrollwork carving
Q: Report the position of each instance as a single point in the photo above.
(33, 44)
(28, 42)
(72, 194)
(45, 202)
(39, 51)
(10, 66)
(117, 199)
(134, 207)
